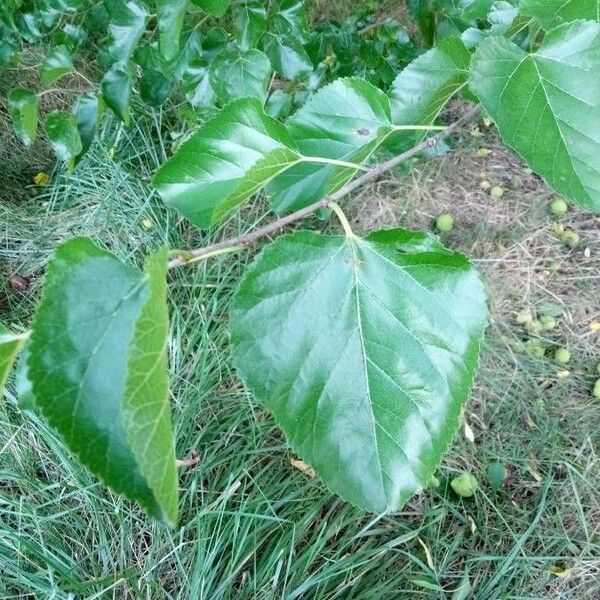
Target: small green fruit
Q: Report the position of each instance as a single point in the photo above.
(485, 185)
(598, 368)
(535, 349)
(558, 229)
(444, 222)
(496, 474)
(558, 208)
(562, 356)
(547, 322)
(534, 327)
(497, 192)
(464, 485)
(570, 238)
(597, 389)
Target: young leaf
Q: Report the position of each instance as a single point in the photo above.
(365, 352)
(58, 63)
(23, 106)
(10, 345)
(217, 8)
(546, 105)
(116, 89)
(555, 12)
(170, 19)
(98, 371)
(209, 168)
(423, 88)
(61, 129)
(250, 22)
(234, 74)
(346, 120)
(127, 25)
(88, 111)
(287, 56)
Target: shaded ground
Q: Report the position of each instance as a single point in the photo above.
(252, 525)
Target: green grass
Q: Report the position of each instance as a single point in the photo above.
(252, 526)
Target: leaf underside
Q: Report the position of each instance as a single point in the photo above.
(365, 352)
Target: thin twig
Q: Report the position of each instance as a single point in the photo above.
(247, 239)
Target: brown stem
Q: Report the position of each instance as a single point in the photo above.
(247, 239)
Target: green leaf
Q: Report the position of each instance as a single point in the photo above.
(235, 74)
(287, 56)
(98, 370)
(423, 88)
(217, 8)
(170, 15)
(126, 27)
(9, 54)
(23, 106)
(250, 23)
(155, 87)
(212, 167)
(63, 134)
(472, 10)
(422, 13)
(291, 17)
(88, 112)
(10, 345)
(546, 105)
(58, 63)
(116, 89)
(555, 12)
(346, 120)
(365, 352)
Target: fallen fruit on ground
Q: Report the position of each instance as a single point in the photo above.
(562, 356)
(444, 222)
(558, 208)
(465, 485)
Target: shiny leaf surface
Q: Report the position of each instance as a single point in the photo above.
(62, 132)
(23, 106)
(116, 90)
(547, 105)
(126, 27)
(423, 88)
(98, 370)
(346, 120)
(170, 15)
(364, 351)
(58, 63)
(209, 171)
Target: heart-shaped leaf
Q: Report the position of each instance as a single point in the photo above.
(547, 105)
(116, 91)
(365, 352)
(98, 372)
(88, 112)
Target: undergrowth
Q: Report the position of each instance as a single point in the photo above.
(253, 525)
